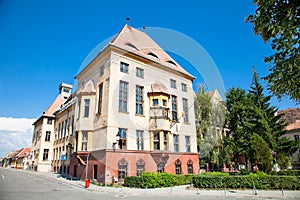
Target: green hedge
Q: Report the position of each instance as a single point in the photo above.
(264, 182)
(258, 180)
(156, 180)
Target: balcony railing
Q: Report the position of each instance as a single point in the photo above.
(159, 112)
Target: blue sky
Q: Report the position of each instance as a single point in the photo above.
(43, 43)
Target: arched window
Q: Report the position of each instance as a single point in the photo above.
(190, 166)
(131, 45)
(153, 55)
(178, 166)
(140, 167)
(171, 62)
(122, 169)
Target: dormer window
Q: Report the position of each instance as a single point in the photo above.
(131, 45)
(152, 54)
(171, 62)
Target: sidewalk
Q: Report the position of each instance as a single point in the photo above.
(176, 191)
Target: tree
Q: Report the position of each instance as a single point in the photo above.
(268, 123)
(203, 109)
(210, 116)
(239, 122)
(261, 153)
(252, 119)
(278, 21)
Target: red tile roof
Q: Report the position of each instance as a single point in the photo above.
(292, 117)
(23, 152)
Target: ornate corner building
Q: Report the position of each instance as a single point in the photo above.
(132, 112)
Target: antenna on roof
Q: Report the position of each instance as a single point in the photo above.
(127, 20)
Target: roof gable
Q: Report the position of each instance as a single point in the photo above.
(139, 43)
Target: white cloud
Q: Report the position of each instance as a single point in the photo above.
(15, 133)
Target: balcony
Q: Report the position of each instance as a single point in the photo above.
(159, 118)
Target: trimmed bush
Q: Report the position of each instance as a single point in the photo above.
(264, 182)
(133, 181)
(184, 179)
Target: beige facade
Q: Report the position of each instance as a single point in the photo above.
(133, 99)
(133, 111)
(43, 133)
(64, 130)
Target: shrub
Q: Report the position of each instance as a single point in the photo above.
(183, 179)
(150, 180)
(259, 181)
(133, 181)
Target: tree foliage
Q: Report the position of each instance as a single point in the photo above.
(255, 128)
(210, 116)
(278, 21)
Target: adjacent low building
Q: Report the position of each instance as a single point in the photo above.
(292, 117)
(43, 134)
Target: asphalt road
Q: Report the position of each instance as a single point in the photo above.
(17, 185)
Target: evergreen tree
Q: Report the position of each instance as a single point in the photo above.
(239, 106)
(261, 153)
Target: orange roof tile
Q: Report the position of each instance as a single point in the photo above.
(23, 152)
(293, 126)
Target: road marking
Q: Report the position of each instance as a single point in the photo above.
(2, 176)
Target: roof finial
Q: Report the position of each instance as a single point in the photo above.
(127, 20)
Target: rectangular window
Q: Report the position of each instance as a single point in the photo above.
(58, 135)
(176, 143)
(183, 87)
(72, 128)
(49, 121)
(124, 67)
(100, 98)
(84, 140)
(166, 144)
(155, 102)
(122, 139)
(156, 141)
(86, 108)
(188, 143)
(173, 84)
(139, 72)
(165, 103)
(139, 100)
(123, 95)
(296, 137)
(65, 128)
(48, 135)
(185, 110)
(139, 140)
(45, 154)
(62, 129)
(174, 108)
